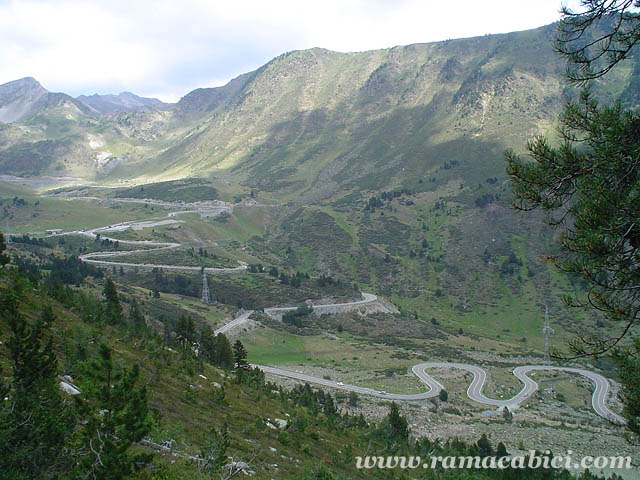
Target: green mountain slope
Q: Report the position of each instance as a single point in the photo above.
(315, 122)
(273, 432)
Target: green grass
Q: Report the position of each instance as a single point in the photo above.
(348, 359)
(9, 190)
(176, 257)
(275, 348)
(70, 214)
(342, 222)
(575, 392)
(188, 190)
(244, 223)
(214, 313)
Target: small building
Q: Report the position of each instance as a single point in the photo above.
(53, 231)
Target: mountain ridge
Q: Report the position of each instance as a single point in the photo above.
(304, 119)
(25, 97)
(122, 102)
(308, 89)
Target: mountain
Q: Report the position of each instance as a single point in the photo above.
(42, 132)
(206, 101)
(18, 98)
(388, 169)
(23, 98)
(315, 122)
(123, 102)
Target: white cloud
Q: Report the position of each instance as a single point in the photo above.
(171, 47)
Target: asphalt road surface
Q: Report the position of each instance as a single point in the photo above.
(236, 322)
(474, 391)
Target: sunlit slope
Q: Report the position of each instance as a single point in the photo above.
(315, 121)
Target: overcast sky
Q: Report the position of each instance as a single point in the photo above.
(165, 49)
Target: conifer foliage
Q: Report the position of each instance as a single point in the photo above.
(589, 185)
(239, 355)
(117, 416)
(4, 258)
(43, 432)
(113, 309)
(34, 421)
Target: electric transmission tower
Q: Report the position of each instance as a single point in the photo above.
(206, 297)
(546, 330)
(7, 236)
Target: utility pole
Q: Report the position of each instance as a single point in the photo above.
(546, 330)
(7, 235)
(206, 297)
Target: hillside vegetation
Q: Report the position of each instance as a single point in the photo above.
(177, 412)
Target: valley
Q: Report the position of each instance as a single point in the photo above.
(336, 350)
(347, 218)
(602, 385)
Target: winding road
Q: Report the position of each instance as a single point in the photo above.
(94, 257)
(327, 307)
(602, 386)
(474, 391)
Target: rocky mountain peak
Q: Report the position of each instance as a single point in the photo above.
(18, 97)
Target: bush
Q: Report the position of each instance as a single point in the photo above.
(295, 317)
(284, 438)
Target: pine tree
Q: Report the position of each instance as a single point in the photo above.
(399, 429)
(484, 446)
(113, 310)
(239, 355)
(47, 317)
(117, 416)
(4, 258)
(185, 331)
(223, 351)
(588, 185)
(507, 415)
(136, 319)
(501, 451)
(34, 421)
(214, 454)
(629, 370)
(207, 344)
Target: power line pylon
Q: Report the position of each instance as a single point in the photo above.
(206, 297)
